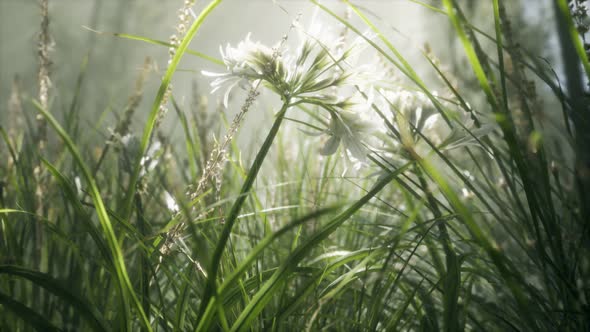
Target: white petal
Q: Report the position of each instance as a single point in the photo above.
(227, 92)
(331, 146)
(311, 133)
(356, 148)
(431, 121)
(212, 74)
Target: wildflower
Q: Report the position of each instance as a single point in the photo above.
(247, 62)
(249, 59)
(425, 120)
(306, 74)
(357, 126)
(417, 109)
(310, 75)
(348, 128)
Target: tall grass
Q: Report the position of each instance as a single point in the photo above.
(413, 210)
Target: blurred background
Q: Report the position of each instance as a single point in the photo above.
(113, 63)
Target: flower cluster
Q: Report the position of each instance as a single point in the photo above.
(311, 75)
(428, 125)
(419, 112)
(359, 114)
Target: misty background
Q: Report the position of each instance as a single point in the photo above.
(114, 63)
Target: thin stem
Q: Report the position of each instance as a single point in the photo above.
(210, 289)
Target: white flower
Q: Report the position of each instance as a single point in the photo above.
(347, 128)
(316, 74)
(355, 125)
(306, 73)
(420, 112)
(248, 61)
(337, 39)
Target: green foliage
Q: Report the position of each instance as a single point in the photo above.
(422, 211)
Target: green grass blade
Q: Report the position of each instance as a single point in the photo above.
(500, 48)
(182, 307)
(87, 310)
(163, 43)
(210, 289)
(263, 244)
(28, 315)
(71, 196)
(123, 281)
(263, 296)
(160, 43)
(512, 277)
(471, 55)
(191, 149)
(573, 32)
(151, 121)
(233, 278)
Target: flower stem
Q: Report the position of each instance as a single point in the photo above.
(210, 289)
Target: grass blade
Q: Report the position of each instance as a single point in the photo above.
(151, 121)
(62, 291)
(27, 314)
(123, 281)
(262, 297)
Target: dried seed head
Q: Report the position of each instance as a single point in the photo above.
(45, 46)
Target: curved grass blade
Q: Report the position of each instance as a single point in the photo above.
(263, 296)
(28, 315)
(401, 310)
(87, 310)
(191, 149)
(123, 281)
(573, 32)
(210, 289)
(264, 243)
(471, 55)
(70, 193)
(151, 121)
(228, 285)
(182, 309)
(163, 43)
(157, 42)
(511, 276)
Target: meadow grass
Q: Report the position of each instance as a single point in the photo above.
(414, 210)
